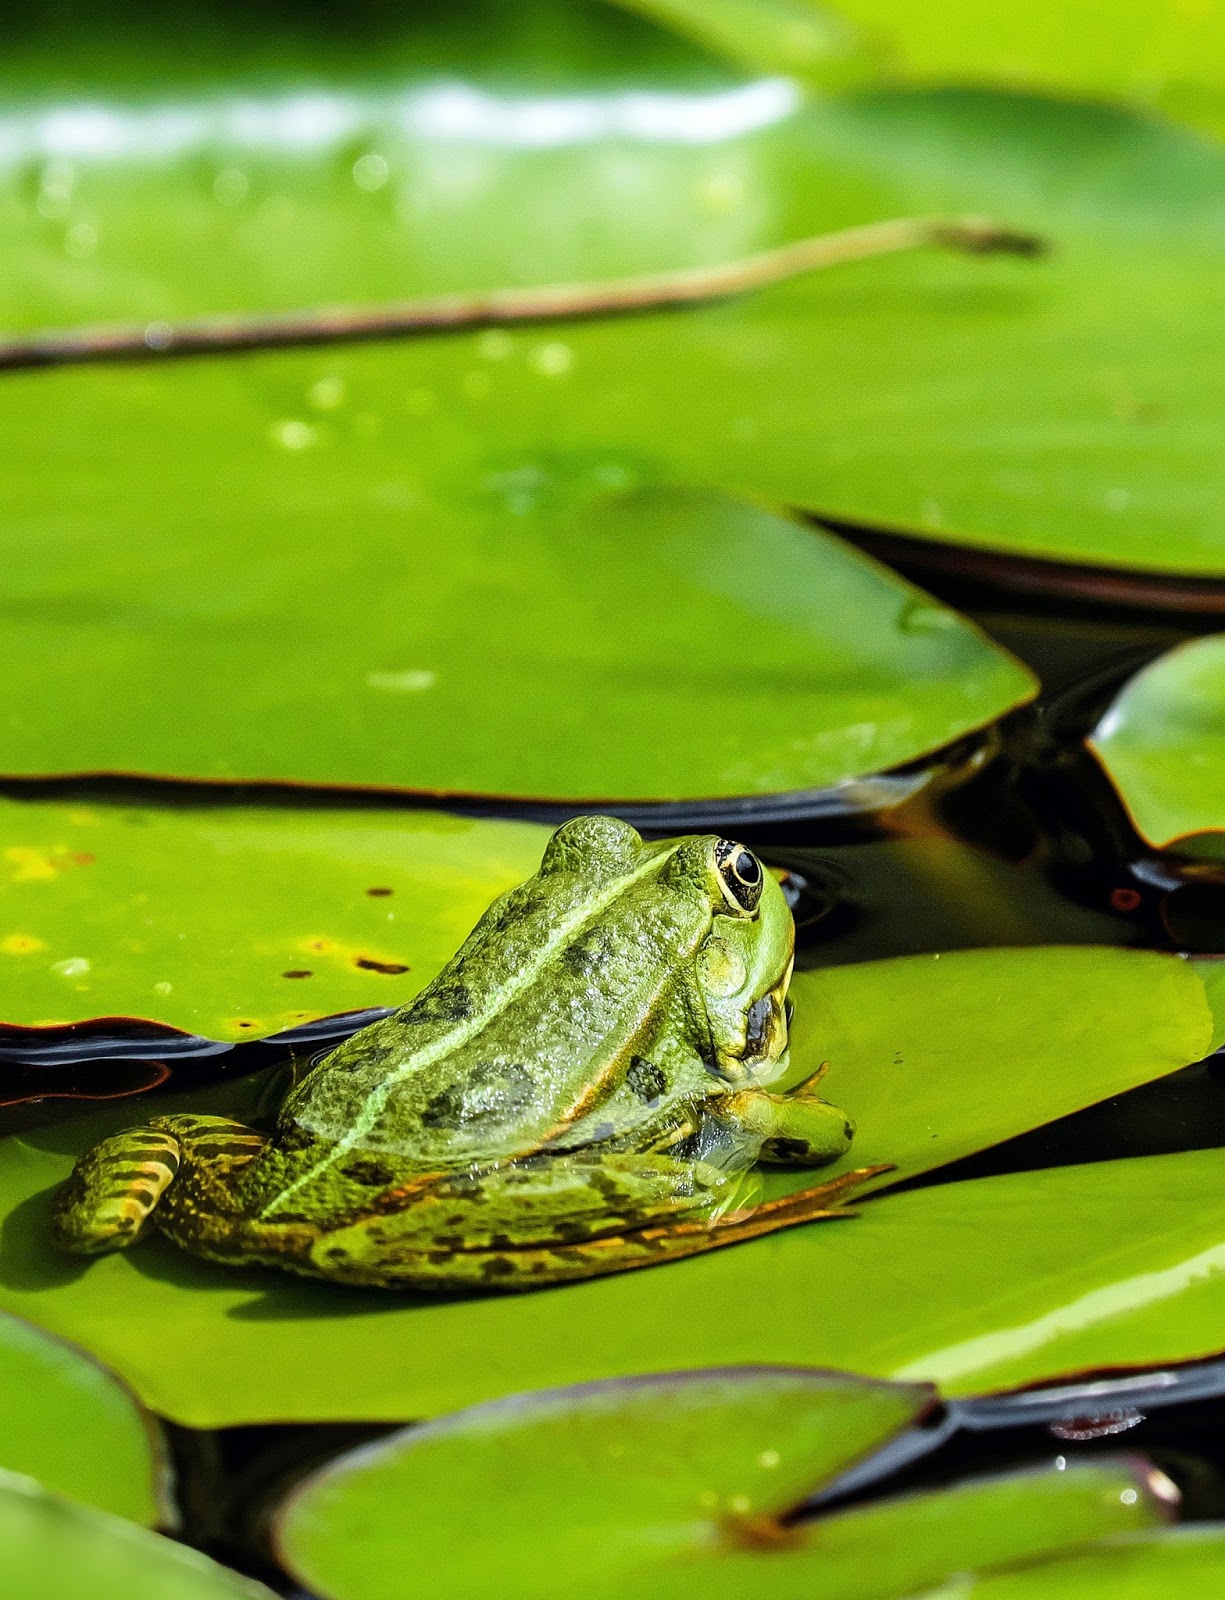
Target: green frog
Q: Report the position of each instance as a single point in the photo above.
(583, 1089)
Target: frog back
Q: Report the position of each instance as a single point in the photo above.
(555, 999)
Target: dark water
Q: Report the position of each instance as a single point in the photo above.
(1015, 839)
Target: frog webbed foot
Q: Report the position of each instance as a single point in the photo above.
(797, 1129)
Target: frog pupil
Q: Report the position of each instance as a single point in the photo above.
(747, 868)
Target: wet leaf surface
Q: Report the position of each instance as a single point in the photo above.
(234, 922)
(1162, 742)
(933, 1279)
(676, 1483)
(56, 1549)
(66, 1422)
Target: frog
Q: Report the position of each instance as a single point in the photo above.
(584, 1088)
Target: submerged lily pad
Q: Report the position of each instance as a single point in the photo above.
(679, 1484)
(57, 1550)
(1173, 1565)
(68, 1423)
(237, 922)
(1162, 742)
(907, 1282)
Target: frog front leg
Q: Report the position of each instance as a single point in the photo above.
(797, 1129)
(134, 1180)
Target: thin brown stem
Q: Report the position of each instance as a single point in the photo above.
(547, 303)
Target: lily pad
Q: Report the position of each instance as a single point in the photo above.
(678, 1483)
(1162, 55)
(1162, 742)
(659, 646)
(57, 1549)
(932, 1054)
(1162, 1566)
(68, 1423)
(805, 38)
(1064, 408)
(908, 1282)
(233, 922)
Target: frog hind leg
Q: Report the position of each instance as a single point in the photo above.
(645, 1210)
(115, 1193)
(797, 1129)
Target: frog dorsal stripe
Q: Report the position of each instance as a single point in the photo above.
(470, 1026)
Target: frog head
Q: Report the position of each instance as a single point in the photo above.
(743, 966)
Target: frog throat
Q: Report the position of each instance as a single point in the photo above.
(469, 1027)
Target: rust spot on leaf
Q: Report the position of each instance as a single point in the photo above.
(21, 944)
(368, 964)
(380, 894)
(298, 972)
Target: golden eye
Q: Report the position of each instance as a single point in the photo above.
(740, 875)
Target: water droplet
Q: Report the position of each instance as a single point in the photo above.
(553, 360)
(495, 344)
(293, 435)
(768, 1458)
(81, 241)
(1117, 499)
(933, 515)
(327, 393)
(231, 187)
(74, 967)
(408, 682)
(370, 172)
(158, 335)
(740, 1503)
(163, 988)
(1129, 1497)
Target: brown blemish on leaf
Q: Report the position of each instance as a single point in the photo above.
(369, 964)
(748, 1531)
(21, 944)
(31, 863)
(380, 894)
(298, 972)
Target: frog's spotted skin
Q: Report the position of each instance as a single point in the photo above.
(581, 1090)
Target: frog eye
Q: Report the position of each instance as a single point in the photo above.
(740, 875)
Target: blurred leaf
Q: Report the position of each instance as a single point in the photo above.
(68, 1423)
(657, 646)
(804, 38)
(1162, 743)
(1173, 1565)
(233, 922)
(936, 1280)
(676, 1484)
(1161, 53)
(59, 1551)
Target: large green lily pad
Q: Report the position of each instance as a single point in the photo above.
(237, 922)
(58, 1550)
(662, 645)
(68, 1423)
(1164, 1566)
(676, 1484)
(1067, 407)
(907, 1283)
(1163, 744)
